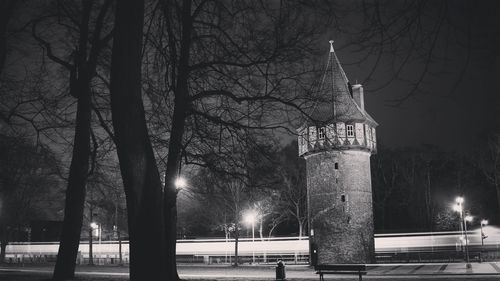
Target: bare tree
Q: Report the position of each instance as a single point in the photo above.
(385, 178)
(293, 193)
(227, 196)
(226, 72)
(28, 184)
(233, 199)
(87, 23)
(141, 179)
(487, 160)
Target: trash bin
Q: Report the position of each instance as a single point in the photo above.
(280, 270)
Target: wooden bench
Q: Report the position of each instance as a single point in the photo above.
(358, 269)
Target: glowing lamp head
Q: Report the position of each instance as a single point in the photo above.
(180, 182)
(484, 222)
(459, 200)
(94, 225)
(469, 218)
(250, 217)
(457, 208)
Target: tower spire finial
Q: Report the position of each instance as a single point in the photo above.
(331, 46)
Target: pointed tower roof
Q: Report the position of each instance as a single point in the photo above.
(333, 97)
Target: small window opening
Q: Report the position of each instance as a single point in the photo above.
(336, 180)
(336, 166)
(342, 198)
(350, 130)
(321, 133)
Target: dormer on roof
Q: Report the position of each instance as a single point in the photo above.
(338, 119)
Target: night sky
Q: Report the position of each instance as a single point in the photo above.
(457, 98)
(455, 101)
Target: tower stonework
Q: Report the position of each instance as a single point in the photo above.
(337, 141)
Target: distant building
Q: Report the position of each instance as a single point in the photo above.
(337, 141)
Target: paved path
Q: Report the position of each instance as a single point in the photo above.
(485, 268)
(431, 271)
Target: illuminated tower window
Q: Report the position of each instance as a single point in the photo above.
(350, 130)
(321, 133)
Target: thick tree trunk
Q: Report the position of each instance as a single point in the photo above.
(3, 248)
(140, 175)
(4, 240)
(170, 194)
(181, 93)
(79, 168)
(171, 236)
(75, 192)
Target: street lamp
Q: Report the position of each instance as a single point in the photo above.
(250, 218)
(458, 208)
(97, 228)
(93, 226)
(483, 236)
(180, 183)
(463, 219)
(118, 235)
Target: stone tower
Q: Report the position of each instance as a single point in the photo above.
(337, 141)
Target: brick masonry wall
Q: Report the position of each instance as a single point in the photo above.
(340, 206)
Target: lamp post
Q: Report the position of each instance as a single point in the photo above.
(118, 235)
(458, 208)
(99, 232)
(250, 218)
(180, 183)
(483, 236)
(463, 220)
(91, 259)
(94, 227)
(116, 230)
(467, 219)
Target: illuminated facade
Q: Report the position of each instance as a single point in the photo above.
(337, 141)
